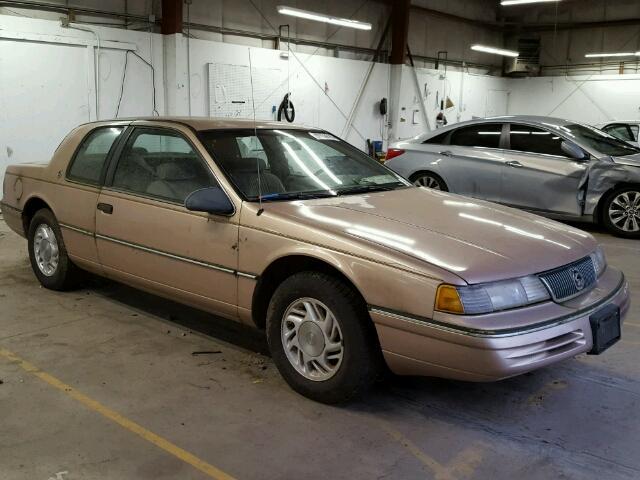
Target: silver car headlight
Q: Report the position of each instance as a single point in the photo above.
(491, 297)
(599, 261)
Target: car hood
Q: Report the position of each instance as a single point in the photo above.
(475, 240)
(631, 160)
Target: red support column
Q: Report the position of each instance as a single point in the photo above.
(400, 30)
(171, 17)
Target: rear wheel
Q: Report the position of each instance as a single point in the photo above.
(48, 254)
(321, 338)
(429, 180)
(621, 212)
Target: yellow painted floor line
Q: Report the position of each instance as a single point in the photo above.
(463, 464)
(124, 422)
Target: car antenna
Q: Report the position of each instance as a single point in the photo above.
(255, 134)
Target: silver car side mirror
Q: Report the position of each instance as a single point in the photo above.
(571, 150)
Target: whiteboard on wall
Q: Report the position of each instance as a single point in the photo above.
(230, 91)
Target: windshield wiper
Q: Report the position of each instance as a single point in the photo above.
(297, 195)
(369, 188)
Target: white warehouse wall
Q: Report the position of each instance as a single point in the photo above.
(323, 89)
(590, 99)
(47, 83)
(47, 86)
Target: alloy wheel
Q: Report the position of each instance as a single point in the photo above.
(45, 250)
(428, 181)
(624, 211)
(312, 339)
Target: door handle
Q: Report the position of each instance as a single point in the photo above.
(106, 208)
(446, 153)
(515, 164)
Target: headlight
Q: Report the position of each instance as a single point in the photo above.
(491, 297)
(599, 261)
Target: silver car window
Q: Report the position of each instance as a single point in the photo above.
(482, 135)
(524, 138)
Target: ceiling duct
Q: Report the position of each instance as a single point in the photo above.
(527, 64)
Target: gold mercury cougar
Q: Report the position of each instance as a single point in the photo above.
(345, 264)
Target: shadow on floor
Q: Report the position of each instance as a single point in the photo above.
(181, 315)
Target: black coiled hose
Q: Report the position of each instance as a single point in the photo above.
(286, 107)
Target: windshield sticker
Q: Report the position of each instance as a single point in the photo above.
(322, 136)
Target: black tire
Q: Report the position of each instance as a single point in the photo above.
(361, 358)
(429, 180)
(66, 275)
(608, 206)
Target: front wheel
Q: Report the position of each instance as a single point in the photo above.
(429, 180)
(48, 254)
(321, 338)
(621, 212)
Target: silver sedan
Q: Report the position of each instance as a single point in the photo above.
(556, 168)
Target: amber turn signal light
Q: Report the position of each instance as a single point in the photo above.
(448, 299)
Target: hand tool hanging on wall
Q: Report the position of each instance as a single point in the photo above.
(286, 108)
(441, 120)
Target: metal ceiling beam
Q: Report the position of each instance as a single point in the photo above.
(497, 26)
(514, 27)
(51, 7)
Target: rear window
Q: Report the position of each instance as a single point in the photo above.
(483, 135)
(438, 139)
(89, 159)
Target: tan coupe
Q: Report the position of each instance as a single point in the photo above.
(344, 263)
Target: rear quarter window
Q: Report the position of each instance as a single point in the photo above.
(88, 162)
(438, 139)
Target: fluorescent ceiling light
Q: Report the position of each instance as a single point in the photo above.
(506, 3)
(319, 17)
(495, 51)
(618, 54)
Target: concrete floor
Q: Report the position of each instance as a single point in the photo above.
(133, 353)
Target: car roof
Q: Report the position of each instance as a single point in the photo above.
(207, 123)
(530, 119)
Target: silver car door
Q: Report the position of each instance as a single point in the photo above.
(473, 159)
(538, 175)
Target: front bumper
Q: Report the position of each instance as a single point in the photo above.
(538, 336)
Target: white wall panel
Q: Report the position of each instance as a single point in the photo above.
(44, 93)
(47, 85)
(592, 99)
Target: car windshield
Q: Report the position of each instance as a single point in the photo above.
(295, 164)
(600, 141)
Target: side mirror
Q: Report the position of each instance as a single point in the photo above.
(210, 200)
(574, 151)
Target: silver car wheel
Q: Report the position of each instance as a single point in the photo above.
(624, 211)
(312, 339)
(45, 250)
(427, 181)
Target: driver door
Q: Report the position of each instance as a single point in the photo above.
(146, 237)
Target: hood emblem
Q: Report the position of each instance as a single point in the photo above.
(578, 279)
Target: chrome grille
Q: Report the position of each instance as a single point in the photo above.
(571, 280)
